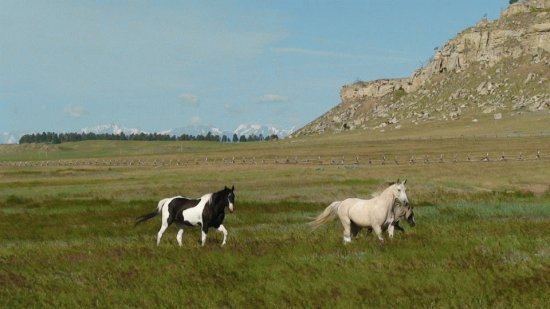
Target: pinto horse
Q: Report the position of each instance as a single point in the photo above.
(376, 213)
(206, 212)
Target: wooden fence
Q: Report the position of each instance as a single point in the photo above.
(318, 160)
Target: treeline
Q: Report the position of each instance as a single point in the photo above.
(58, 138)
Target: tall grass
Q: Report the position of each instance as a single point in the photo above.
(88, 253)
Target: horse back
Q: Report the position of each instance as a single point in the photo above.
(363, 212)
(178, 205)
(346, 205)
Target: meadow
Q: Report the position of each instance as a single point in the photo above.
(67, 234)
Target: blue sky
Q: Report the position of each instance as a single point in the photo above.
(158, 65)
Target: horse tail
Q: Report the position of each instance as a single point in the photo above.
(151, 214)
(328, 214)
(146, 217)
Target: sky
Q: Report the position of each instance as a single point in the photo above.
(160, 65)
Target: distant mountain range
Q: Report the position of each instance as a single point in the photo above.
(111, 129)
(243, 129)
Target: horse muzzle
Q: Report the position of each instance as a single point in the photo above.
(230, 207)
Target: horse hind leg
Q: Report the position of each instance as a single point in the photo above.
(163, 228)
(355, 229)
(347, 230)
(165, 224)
(179, 237)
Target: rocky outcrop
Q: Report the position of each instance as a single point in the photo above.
(525, 7)
(374, 89)
(479, 71)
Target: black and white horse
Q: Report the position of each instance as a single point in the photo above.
(207, 211)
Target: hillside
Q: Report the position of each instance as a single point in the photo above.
(495, 71)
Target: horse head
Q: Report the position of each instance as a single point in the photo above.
(404, 212)
(400, 192)
(410, 217)
(230, 197)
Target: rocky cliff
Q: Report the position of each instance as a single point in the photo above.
(499, 67)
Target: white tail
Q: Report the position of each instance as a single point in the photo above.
(328, 214)
(161, 203)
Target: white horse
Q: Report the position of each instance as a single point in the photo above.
(376, 213)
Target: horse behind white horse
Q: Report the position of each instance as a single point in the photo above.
(376, 213)
(400, 212)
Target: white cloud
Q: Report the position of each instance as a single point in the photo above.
(196, 120)
(272, 98)
(189, 99)
(74, 111)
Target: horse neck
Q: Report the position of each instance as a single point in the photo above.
(399, 210)
(217, 202)
(387, 197)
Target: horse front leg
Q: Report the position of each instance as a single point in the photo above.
(390, 231)
(179, 237)
(378, 230)
(204, 230)
(222, 229)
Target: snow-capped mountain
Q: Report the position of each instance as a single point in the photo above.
(243, 129)
(111, 129)
(257, 129)
(194, 130)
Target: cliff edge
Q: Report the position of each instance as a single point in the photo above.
(499, 67)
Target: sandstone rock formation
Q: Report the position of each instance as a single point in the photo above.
(500, 66)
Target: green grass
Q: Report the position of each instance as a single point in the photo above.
(89, 254)
(67, 237)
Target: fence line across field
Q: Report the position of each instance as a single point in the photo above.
(318, 160)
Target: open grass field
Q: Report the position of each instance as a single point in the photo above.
(482, 238)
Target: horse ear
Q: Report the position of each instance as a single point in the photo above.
(232, 188)
(225, 187)
(398, 180)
